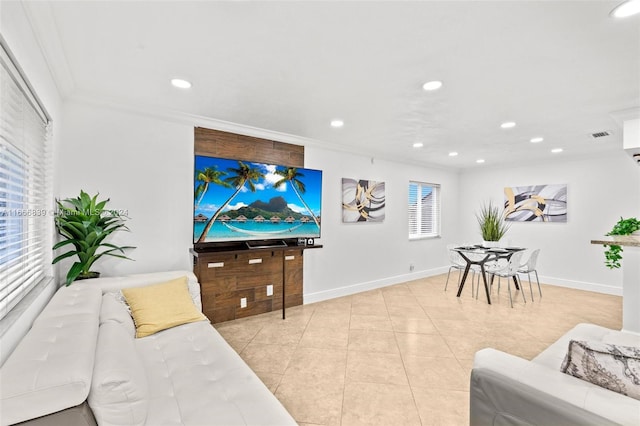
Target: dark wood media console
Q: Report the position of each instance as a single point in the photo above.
(231, 273)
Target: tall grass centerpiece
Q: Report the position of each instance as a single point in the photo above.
(84, 223)
(491, 221)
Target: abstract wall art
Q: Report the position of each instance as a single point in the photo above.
(362, 200)
(536, 203)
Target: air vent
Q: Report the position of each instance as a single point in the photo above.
(602, 134)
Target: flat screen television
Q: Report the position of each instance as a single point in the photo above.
(236, 201)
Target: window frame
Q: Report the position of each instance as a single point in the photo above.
(435, 213)
(27, 189)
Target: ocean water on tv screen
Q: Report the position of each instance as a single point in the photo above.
(227, 231)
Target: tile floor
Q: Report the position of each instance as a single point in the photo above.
(401, 355)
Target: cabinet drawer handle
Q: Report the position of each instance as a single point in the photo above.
(215, 265)
(290, 257)
(253, 261)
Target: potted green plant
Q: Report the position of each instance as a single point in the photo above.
(613, 253)
(84, 223)
(492, 224)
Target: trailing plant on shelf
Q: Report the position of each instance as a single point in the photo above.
(613, 253)
(84, 223)
(491, 221)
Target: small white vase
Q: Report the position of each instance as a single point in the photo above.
(491, 244)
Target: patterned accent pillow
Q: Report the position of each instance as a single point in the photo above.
(612, 367)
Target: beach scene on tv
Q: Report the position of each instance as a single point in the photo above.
(241, 200)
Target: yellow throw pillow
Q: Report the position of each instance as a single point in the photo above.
(161, 306)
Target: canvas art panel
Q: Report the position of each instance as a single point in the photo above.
(362, 200)
(536, 203)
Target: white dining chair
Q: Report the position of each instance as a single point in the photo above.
(530, 266)
(509, 270)
(457, 262)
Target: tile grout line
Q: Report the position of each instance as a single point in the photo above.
(294, 351)
(346, 363)
(404, 366)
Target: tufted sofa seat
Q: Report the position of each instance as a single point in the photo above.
(80, 364)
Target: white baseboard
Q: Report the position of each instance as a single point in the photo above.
(398, 279)
(581, 285)
(371, 285)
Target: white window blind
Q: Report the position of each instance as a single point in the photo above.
(24, 186)
(424, 210)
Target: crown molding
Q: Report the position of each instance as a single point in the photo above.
(625, 115)
(45, 30)
(180, 117)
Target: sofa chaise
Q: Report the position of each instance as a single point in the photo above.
(508, 390)
(81, 364)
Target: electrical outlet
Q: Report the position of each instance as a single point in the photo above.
(411, 267)
(270, 290)
(243, 302)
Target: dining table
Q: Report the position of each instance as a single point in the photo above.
(479, 255)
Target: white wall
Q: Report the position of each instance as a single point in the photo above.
(144, 165)
(16, 31)
(599, 191)
(360, 256)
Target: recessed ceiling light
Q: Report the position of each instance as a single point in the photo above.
(626, 8)
(508, 124)
(432, 85)
(480, 161)
(180, 83)
(337, 123)
(536, 140)
(453, 154)
(556, 150)
(418, 145)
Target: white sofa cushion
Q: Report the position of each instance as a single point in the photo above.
(553, 356)
(119, 392)
(555, 389)
(50, 370)
(622, 339)
(558, 387)
(110, 284)
(114, 309)
(195, 378)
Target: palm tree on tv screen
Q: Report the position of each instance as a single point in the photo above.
(244, 174)
(291, 174)
(205, 177)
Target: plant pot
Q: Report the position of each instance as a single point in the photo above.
(88, 276)
(491, 244)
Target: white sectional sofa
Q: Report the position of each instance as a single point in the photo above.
(81, 364)
(509, 390)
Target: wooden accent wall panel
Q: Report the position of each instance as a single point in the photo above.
(225, 278)
(293, 277)
(216, 143)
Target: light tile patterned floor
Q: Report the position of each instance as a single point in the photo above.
(401, 355)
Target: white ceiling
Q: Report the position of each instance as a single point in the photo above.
(560, 69)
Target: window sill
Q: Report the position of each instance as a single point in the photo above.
(17, 311)
(425, 237)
